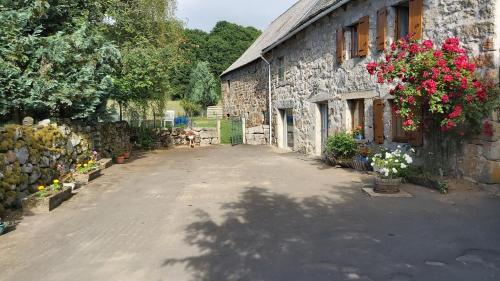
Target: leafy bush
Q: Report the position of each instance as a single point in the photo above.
(146, 138)
(341, 146)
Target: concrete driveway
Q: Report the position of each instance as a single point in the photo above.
(250, 213)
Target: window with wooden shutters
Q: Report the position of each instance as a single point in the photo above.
(363, 29)
(340, 45)
(378, 121)
(381, 28)
(357, 114)
(416, 18)
(400, 135)
(402, 21)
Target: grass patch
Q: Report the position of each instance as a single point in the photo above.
(225, 131)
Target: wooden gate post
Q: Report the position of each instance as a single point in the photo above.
(244, 130)
(218, 130)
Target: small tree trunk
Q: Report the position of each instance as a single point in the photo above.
(121, 111)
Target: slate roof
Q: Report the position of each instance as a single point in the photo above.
(300, 13)
(276, 30)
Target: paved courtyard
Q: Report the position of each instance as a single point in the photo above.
(251, 213)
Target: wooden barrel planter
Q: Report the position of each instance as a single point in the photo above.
(387, 186)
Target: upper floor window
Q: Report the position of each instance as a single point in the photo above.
(402, 21)
(358, 37)
(354, 40)
(281, 68)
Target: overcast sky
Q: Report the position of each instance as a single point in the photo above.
(204, 14)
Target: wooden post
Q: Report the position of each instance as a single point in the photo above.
(218, 130)
(244, 128)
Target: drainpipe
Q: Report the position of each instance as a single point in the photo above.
(270, 102)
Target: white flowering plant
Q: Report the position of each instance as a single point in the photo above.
(392, 164)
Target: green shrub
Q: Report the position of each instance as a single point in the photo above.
(341, 146)
(146, 138)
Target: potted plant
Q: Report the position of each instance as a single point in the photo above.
(118, 156)
(390, 168)
(46, 199)
(358, 133)
(3, 227)
(87, 172)
(127, 152)
(340, 149)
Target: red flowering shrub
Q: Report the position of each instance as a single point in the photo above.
(442, 82)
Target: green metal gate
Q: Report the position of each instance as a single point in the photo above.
(236, 131)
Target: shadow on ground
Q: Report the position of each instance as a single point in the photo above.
(267, 236)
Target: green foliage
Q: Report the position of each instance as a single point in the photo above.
(220, 48)
(147, 138)
(148, 37)
(54, 60)
(203, 86)
(341, 146)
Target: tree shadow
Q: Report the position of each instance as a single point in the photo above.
(270, 237)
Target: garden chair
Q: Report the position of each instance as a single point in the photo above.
(168, 118)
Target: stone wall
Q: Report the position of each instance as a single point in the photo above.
(258, 135)
(170, 137)
(32, 155)
(245, 93)
(481, 158)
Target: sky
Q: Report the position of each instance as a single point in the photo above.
(204, 14)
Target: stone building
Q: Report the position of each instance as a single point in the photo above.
(318, 51)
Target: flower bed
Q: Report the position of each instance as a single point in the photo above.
(87, 172)
(46, 199)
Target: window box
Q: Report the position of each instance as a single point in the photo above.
(33, 205)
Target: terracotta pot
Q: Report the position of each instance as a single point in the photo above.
(126, 155)
(120, 160)
(387, 186)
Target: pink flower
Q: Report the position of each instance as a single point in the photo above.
(471, 67)
(457, 112)
(372, 67)
(442, 63)
(464, 83)
(445, 99)
(414, 48)
(430, 86)
(428, 44)
(408, 123)
(461, 62)
(411, 100)
(447, 78)
(469, 98)
(438, 54)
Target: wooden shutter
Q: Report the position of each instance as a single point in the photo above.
(416, 18)
(378, 120)
(363, 36)
(340, 45)
(381, 28)
(417, 138)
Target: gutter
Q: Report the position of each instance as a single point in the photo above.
(269, 101)
(303, 26)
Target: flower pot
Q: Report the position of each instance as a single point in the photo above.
(387, 185)
(33, 205)
(126, 155)
(2, 228)
(120, 160)
(86, 178)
